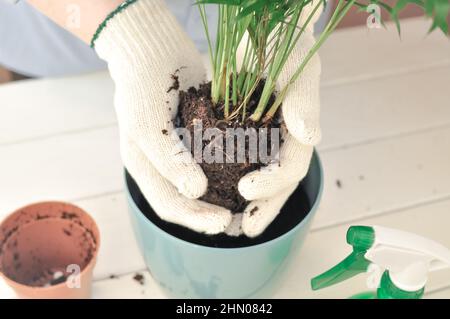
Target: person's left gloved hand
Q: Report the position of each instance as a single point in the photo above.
(269, 188)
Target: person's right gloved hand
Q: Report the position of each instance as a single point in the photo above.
(150, 58)
(269, 188)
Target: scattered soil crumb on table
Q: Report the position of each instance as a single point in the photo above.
(139, 278)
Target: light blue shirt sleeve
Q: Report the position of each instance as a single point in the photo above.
(31, 44)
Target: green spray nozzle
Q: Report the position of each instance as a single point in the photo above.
(361, 238)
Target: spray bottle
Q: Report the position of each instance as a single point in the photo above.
(405, 259)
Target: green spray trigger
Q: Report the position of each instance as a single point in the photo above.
(362, 239)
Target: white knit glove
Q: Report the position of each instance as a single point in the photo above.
(144, 45)
(270, 187)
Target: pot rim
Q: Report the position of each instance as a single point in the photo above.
(234, 249)
(85, 270)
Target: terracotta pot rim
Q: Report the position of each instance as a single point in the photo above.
(85, 270)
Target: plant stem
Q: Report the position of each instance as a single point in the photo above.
(281, 55)
(334, 21)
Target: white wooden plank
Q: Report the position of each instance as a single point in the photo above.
(361, 53)
(440, 294)
(5, 291)
(322, 249)
(351, 113)
(119, 253)
(380, 177)
(128, 288)
(39, 108)
(395, 174)
(62, 167)
(375, 109)
(431, 144)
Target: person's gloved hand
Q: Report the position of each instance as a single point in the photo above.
(270, 187)
(150, 57)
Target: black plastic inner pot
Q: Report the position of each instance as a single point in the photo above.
(293, 212)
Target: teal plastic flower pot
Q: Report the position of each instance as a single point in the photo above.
(186, 269)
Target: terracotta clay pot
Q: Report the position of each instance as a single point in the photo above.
(49, 250)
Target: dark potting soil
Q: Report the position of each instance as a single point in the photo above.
(139, 278)
(196, 105)
(292, 213)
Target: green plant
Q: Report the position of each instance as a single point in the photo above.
(274, 30)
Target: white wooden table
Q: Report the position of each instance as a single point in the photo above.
(386, 127)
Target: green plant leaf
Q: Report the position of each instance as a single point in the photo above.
(439, 11)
